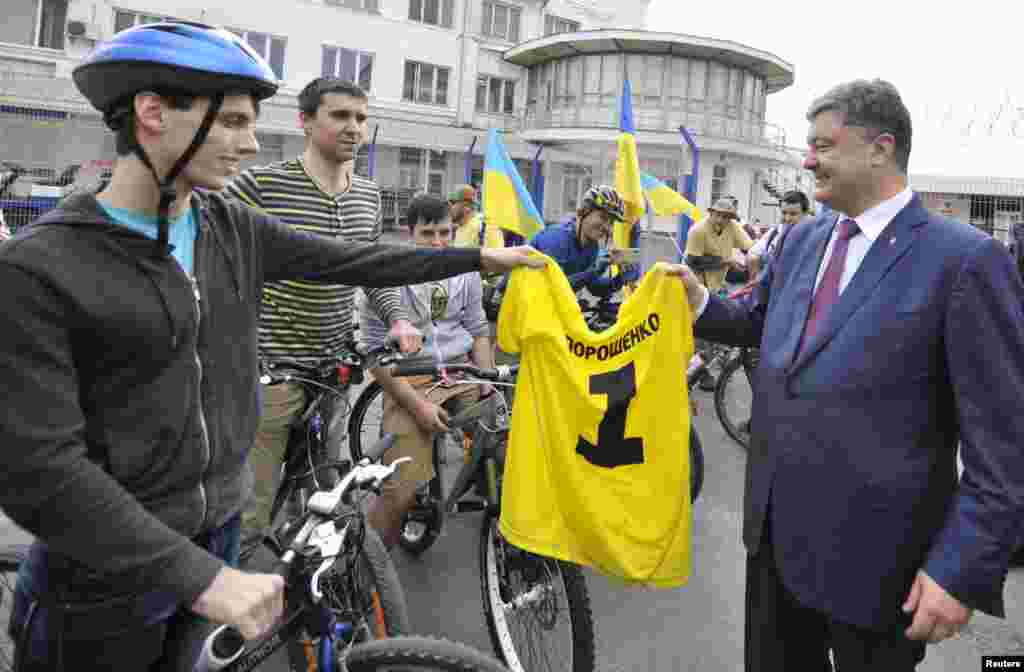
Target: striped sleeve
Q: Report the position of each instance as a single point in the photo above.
(386, 301)
(474, 320)
(246, 189)
(372, 332)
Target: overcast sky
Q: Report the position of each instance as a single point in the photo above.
(958, 66)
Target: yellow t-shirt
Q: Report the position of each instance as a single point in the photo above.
(597, 470)
(703, 240)
(468, 235)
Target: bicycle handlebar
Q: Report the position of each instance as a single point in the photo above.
(405, 369)
(283, 370)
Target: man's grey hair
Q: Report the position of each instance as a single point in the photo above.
(875, 105)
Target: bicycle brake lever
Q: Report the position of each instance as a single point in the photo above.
(379, 472)
(328, 540)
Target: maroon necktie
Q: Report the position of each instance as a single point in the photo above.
(828, 289)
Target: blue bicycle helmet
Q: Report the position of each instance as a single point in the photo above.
(173, 56)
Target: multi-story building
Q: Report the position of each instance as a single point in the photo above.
(440, 74)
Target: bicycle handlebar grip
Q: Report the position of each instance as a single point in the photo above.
(405, 368)
(378, 449)
(221, 648)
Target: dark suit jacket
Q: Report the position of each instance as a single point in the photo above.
(854, 443)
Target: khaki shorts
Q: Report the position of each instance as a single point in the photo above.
(412, 440)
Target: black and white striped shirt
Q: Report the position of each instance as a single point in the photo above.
(303, 319)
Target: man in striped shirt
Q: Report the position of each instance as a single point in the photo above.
(307, 321)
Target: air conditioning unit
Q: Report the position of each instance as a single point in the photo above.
(85, 31)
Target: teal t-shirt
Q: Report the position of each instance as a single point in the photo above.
(182, 233)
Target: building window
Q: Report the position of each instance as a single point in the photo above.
(437, 171)
(501, 21)
(554, 25)
(53, 16)
(348, 64)
(575, 183)
(123, 19)
(425, 83)
(495, 95)
(267, 46)
(434, 12)
(719, 183)
(368, 5)
(410, 164)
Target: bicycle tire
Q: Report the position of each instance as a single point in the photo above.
(722, 397)
(393, 617)
(357, 418)
(581, 648)
(696, 464)
(11, 558)
(419, 653)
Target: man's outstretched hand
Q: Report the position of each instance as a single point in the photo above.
(694, 290)
(504, 259)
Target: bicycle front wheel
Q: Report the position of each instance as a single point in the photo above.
(422, 654)
(537, 609)
(11, 558)
(733, 401)
(365, 421)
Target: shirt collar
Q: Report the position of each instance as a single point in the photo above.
(873, 221)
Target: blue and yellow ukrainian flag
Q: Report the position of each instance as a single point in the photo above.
(666, 201)
(627, 171)
(506, 201)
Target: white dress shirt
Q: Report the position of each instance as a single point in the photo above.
(870, 223)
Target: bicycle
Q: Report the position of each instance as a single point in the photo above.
(309, 466)
(321, 564)
(318, 553)
(404, 652)
(520, 590)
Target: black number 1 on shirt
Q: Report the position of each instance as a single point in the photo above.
(613, 449)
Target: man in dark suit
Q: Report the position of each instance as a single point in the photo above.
(888, 335)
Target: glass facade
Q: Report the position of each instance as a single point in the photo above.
(709, 97)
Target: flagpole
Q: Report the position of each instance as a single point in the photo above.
(691, 188)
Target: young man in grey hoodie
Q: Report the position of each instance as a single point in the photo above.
(450, 315)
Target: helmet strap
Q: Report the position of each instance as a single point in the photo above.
(168, 193)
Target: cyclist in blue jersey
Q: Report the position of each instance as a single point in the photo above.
(576, 244)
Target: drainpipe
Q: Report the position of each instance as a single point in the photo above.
(691, 187)
(463, 37)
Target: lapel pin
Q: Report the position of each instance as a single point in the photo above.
(892, 241)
